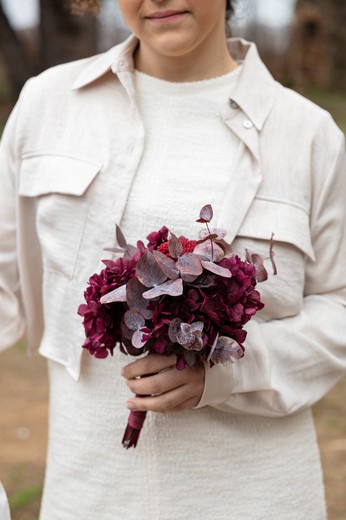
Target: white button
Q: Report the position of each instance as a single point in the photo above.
(247, 124)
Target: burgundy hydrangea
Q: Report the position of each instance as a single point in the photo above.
(156, 238)
(102, 322)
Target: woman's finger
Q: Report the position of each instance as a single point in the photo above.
(151, 364)
(170, 402)
(159, 383)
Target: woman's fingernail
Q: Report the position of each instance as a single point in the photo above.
(130, 405)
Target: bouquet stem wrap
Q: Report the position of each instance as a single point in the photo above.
(133, 428)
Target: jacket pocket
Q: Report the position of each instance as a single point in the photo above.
(282, 294)
(60, 188)
(288, 222)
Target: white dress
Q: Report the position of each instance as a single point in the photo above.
(199, 464)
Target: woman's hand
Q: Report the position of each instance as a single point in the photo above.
(166, 389)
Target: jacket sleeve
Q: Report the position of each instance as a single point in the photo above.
(12, 322)
(4, 506)
(291, 363)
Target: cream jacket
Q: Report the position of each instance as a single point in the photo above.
(68, 157)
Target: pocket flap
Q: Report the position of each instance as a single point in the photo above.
(288, 222)
(43, 174)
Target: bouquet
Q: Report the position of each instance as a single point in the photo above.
(173, 295)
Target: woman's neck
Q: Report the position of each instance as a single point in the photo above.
(195, 66)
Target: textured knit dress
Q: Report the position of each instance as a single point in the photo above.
(200, 464)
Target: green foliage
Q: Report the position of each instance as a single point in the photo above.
(334, 102)
(24, 497)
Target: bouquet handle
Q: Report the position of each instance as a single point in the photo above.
(133, 428)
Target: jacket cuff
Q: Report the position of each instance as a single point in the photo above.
(249, 374)
(218, 385)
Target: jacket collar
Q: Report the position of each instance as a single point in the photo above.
(254, 93)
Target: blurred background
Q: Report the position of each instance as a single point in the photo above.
(303, 42)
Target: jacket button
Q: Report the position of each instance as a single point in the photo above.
(247, 124)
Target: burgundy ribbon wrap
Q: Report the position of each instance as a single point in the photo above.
(133, 429)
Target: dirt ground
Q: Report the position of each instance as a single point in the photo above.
(23, 421)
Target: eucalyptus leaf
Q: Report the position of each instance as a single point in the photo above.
(149, 272)
(137, 339)
(208, 236)
(173, 329)
(188, 263)
(135, 300)
(213, 347)
(120, 237)
(203, 281)
(130, 349)
(227, 351)
(216, 269)
(206, 214)
(174, 246)
(189, 278)
(171, 288)
(117, 295)
(261, 272)
(190, 335)
(126, 333)
(271, 254)
(167, 265)
(208, 252)
(134, 320)
(191, 358)
(218, 233)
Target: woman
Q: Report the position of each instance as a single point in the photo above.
(144, 135)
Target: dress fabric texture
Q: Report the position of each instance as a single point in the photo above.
(248, 451)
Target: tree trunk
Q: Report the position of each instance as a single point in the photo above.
(65, 37)
(338, 42)
(319, 43)
(15, 58)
